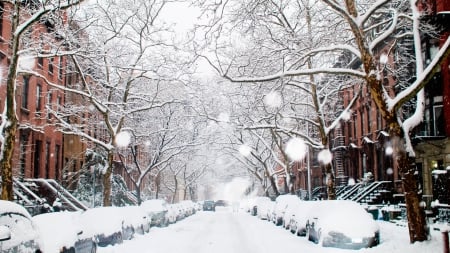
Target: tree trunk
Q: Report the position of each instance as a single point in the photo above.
(416, 215)
(175, 189)
(9, 132)
(107, 201)
(138, 194)
(274, 185)
(407, 168)
(331, 190)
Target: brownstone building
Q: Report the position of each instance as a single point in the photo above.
(39, 147)
(367, 141)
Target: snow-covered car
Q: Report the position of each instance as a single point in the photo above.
(342, 224)
(292, 205)
(281, 203)
(157, 210)
(265, 210)
(299, 217)
(105, 224)
(136, 219)
(17, 230)
(257, 203)
(173, 213)
(188, 206)
(62, 232)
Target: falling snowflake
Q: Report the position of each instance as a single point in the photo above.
(389, 171)
(346, 115)
(351, 181)
(123, 139)
(325, 156)
(384, 59)
(296, 149)
(245, 150)
(273, 99)
(389, 150)
(224, 117)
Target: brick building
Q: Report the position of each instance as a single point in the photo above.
(40, 149)
(365, 135)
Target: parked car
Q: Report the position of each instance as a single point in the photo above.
(209, 205)
(173, 213)
(105, 224)
(61, 232)
(281, 203)
(136, 219)
(188, 207)
(257, 202)
(299, 217)
(342, 224)
(265, 209)
(291, 207)
(157, 210)
(17, 231)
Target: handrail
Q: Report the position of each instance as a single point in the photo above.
(351, 191)
(44, 181)
(67, 193)
(372, 187)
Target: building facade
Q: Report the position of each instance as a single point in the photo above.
(368, 150)
(40, 151)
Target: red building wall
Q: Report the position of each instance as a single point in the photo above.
(38, 149)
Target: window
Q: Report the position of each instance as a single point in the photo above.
(363, 132)
(40, 62)
(57, 158)
(49, 104)
(38, 98)
(438, 120)
(58, 103)
(50, 66)
(23, 154)
(37, 158)
(47, 159)
(25, 91)
(60, 68)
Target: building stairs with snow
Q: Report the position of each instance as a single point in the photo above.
(40, 195)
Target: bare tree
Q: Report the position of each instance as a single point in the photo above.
(124, 63)
(359, 30)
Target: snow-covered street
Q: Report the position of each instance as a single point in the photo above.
(239, 232)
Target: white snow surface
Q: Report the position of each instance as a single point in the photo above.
(225, 231)
(228, 230)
